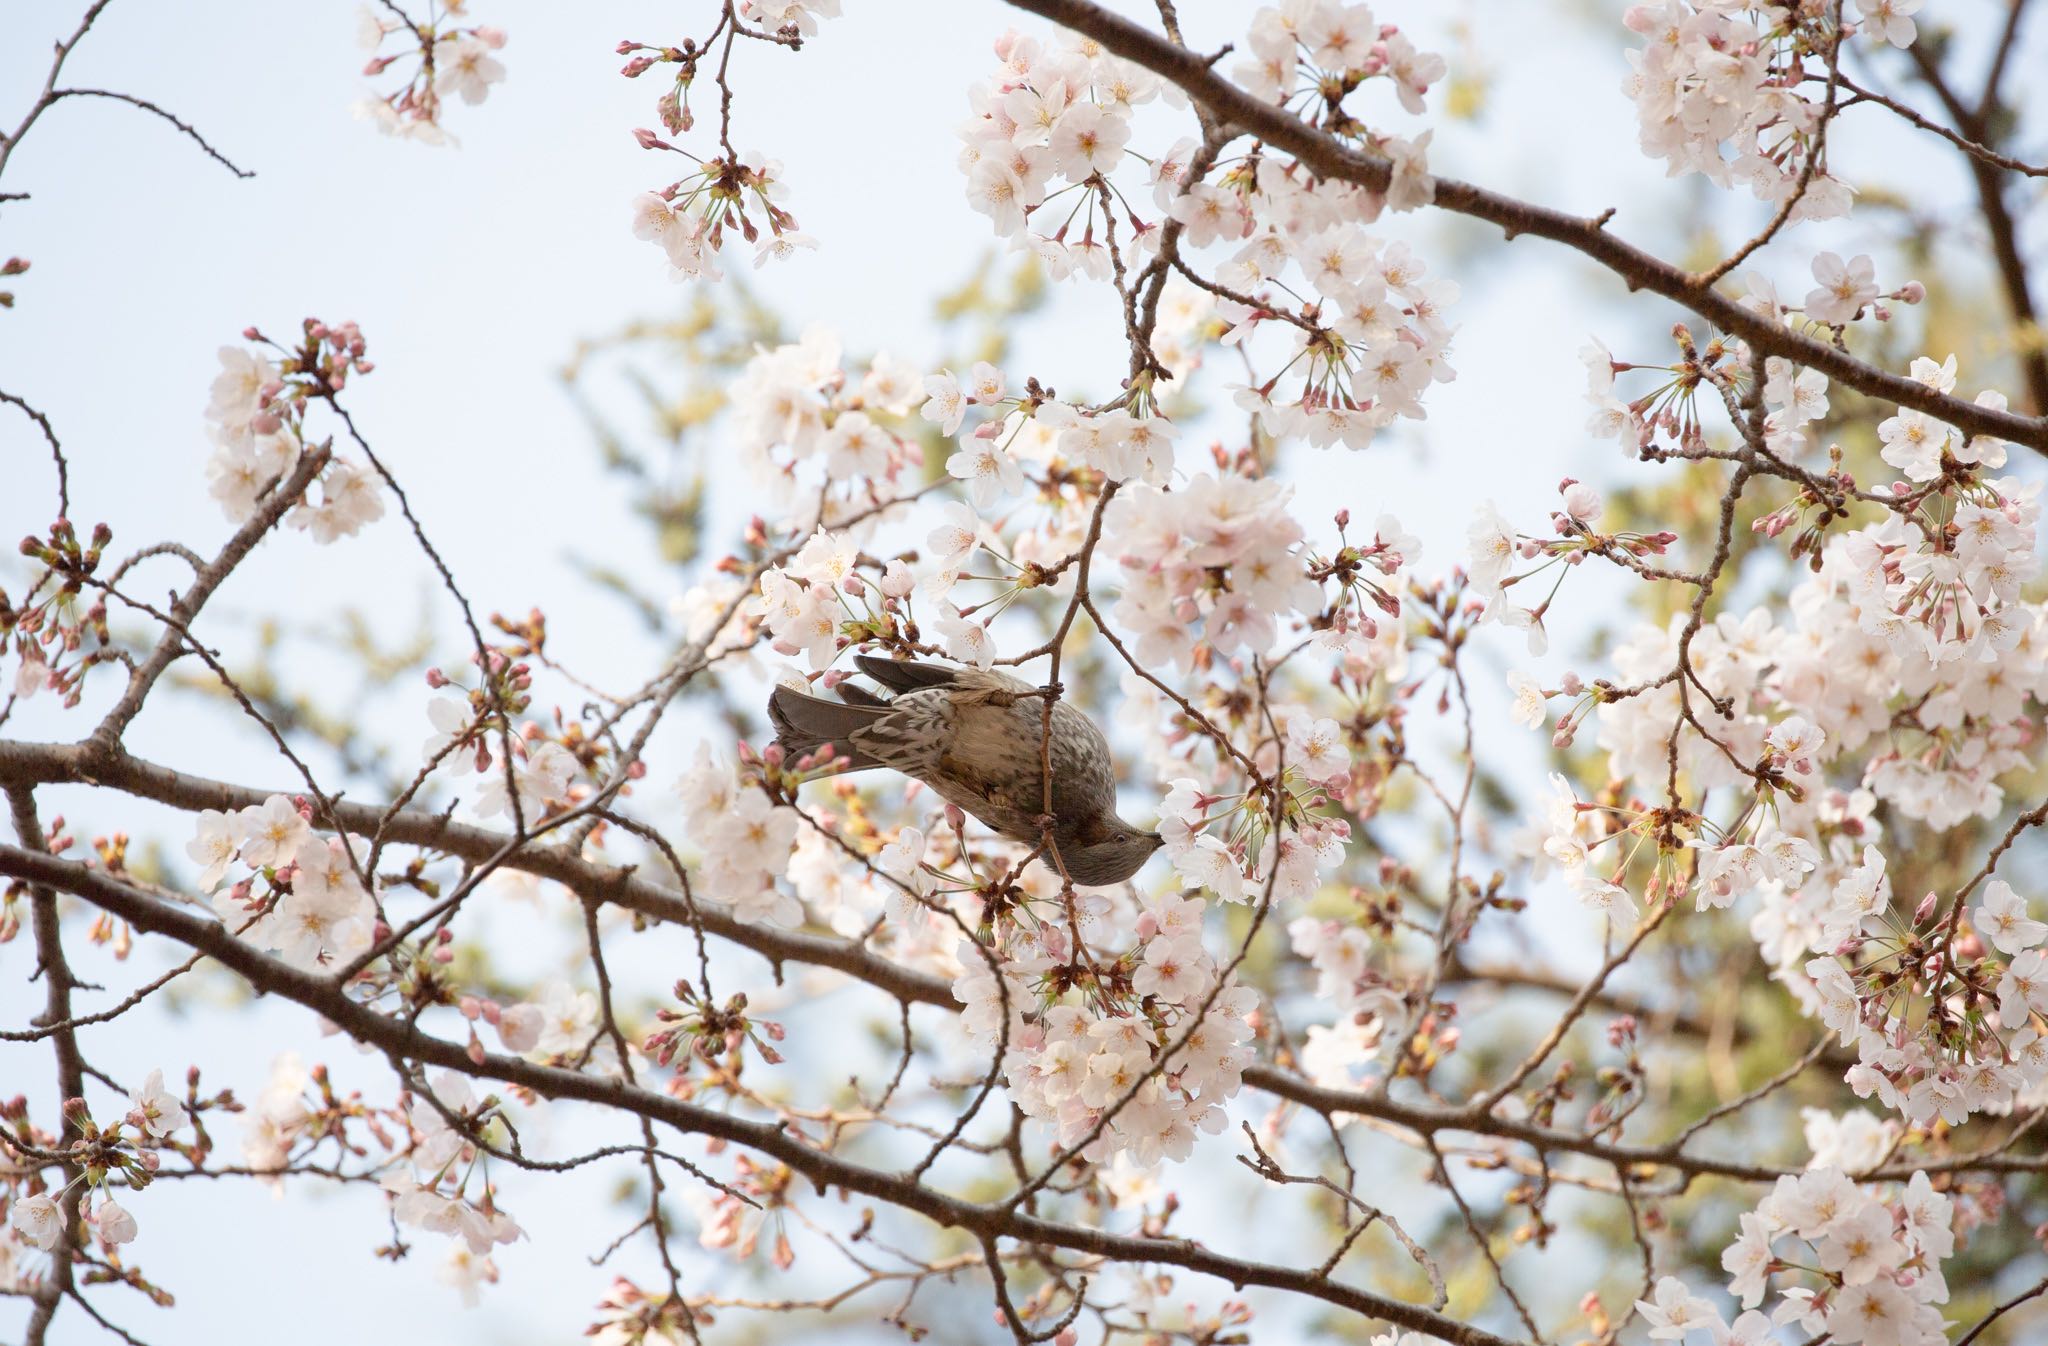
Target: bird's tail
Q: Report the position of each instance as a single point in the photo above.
(804, 723)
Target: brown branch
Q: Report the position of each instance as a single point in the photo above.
(56, 452)
(47, 97)
(148, 106)
(1912, 117)
(57, 985)
(29, 764)
(185, 609)
(2034, 1291)
(1998, 223)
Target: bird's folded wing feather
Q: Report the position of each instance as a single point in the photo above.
(909, 675)
(913, 735)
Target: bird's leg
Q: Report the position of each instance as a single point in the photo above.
(1078, 956)
(1050, 692)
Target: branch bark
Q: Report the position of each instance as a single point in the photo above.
(57, 985)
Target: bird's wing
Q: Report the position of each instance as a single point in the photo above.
(911, 735)
(859, 696)
(804, 722)
(910, 675)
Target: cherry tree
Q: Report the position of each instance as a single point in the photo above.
(1666, 968)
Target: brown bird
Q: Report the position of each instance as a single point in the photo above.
(977, 739)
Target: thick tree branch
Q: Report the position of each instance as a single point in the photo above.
(283, 495)
(57, 985)
(1998, 224)
(31, 763)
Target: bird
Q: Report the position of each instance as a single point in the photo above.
(976, 737)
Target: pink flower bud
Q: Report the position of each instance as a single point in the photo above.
(436, 678)
(1571, 684)
(494, 38)
(1912, 292)
(648, 140)
(637, 67)
(470, 1007)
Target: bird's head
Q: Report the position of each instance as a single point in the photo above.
(1108, 852)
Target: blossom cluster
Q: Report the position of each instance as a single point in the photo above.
(305, 900)
(451, 62)
(1070, 1064)
(746, 841)
(804, 601)
(1365, 348)
(1908, 652)
(1724, 88)
(127, 1150)
(1309, 54)
(1059, 112)
(58, 636)
(1840, 1258)
(800, 415)
(256, 417)
(1123, 441)
(690, 217)
(1253, 856)
(432, 1193)
(1219, 560)
(1941, 1029)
